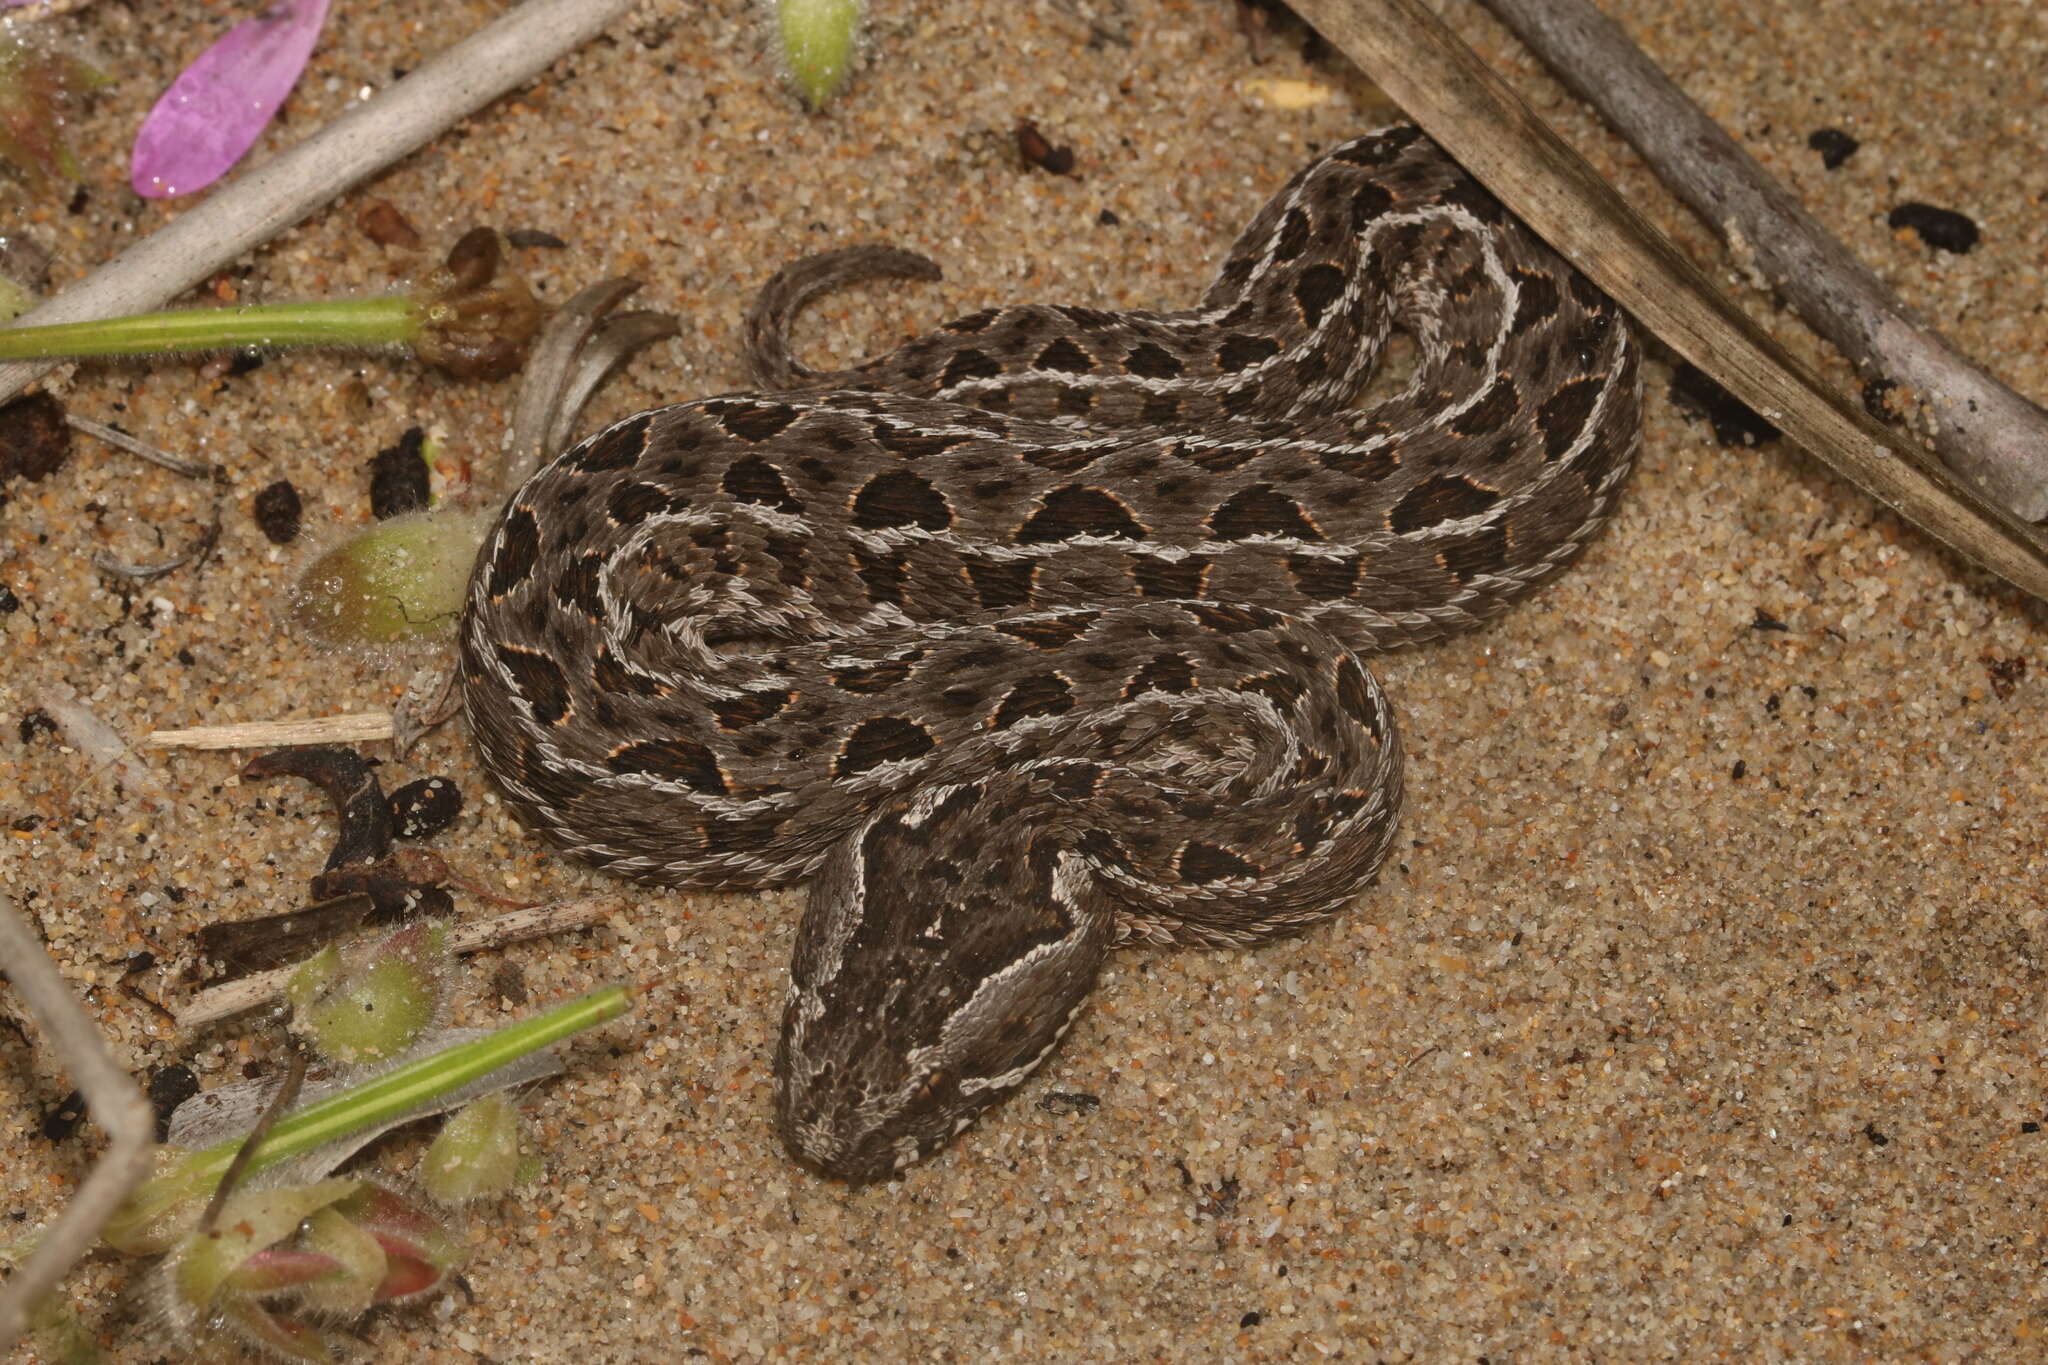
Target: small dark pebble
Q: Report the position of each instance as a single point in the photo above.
(79, 199)
(508, 983)
(245, 360)
(1251, 1319)
(36, 722)
(34, 440)
(534, 237)
(1765, 621)
(1877, 1139)
(1739, 771)
(1877, 401)
(27, 824)
(279, 512)
(425, 807)
(398, 477)
(1108, 218)
(2029, 1126)
(1038, 151)
(138, 962)
(1068, 1102)
(9, 603)
(1734, 422)
(169, 1087)
(1834, 146)
(1942, 229)
(63, 1120)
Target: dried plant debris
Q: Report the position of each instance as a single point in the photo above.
(229, 950)
(478, 317)
(2006, 673)
(350, 782)
(1038, 150)
(534, 237)
(383, 224)
(364, 882)
(1734, 422)
(35, 440)
(170, 1086)
(38, 84)
(1942, 229)
(1834, 146)
(278, 512)
(195, 553)
(399, 477)
(424, 808)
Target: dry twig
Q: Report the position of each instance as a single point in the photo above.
(196, 552)
(121, 440)
(1406, 50)
(122, 1112)
(353, 728)
(1994, 438)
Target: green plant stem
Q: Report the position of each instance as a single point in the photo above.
(410, 1087)
(386, 321)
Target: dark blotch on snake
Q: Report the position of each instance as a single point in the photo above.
(671, 760)
(1565, 413)
(1240, 352)
(1446, 497)
(1077, 510)
(1157, 577)
(1323, 579)
(518, 549)
(1318, 287)
(880, 740)
(539, 679)
(753, 479)
(1002, 583)
(619, 448)
(1066, 357)
(1200, 862)
(898, 497)
(1046, 694)
(1165, 673)
(1259, 511)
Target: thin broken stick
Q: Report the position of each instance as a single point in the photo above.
(1993, 437)
(117, 1106)
(358, 727)
(121, 440)
(1430, 72)
(246, 993)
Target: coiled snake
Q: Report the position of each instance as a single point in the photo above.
(1041, 633)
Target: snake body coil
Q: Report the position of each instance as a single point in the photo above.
(1042, 633)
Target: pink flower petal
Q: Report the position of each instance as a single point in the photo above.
(219, 105)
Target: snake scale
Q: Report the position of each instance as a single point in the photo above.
(1042, 633)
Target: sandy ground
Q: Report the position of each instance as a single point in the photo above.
(1698, 1014)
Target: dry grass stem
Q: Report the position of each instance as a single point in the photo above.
(356, 727)
(119, 1108)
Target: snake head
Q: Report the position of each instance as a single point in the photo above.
(926, 987)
